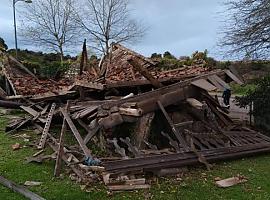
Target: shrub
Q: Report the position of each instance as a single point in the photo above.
(156, 55)
(261, 105)
(3, 44)
(168, 55)
(54, 70)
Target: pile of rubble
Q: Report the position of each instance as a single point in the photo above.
(175, 121)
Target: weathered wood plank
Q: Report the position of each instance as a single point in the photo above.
(233, 77)
(60, 151)
(179, 136)
(143, 129)
(20, 189)
(221, 82)
(127, 187)
(204, 84)
(145, 73)
(46, 127)
(213, 80)
(76, 133)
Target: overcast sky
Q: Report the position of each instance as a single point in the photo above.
(178, 26)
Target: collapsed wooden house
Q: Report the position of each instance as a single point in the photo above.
(176, 122)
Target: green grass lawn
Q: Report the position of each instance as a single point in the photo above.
(196, 184)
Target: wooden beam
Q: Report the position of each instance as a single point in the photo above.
(164, 90)
(233, 77)
(221, 82)
(130, 112)
(20, 189)
(3, 93)
(204, 84)
(213, 80)
(177, 134)
(60, 151)
(65, 159)
(76, 133)
(145, 73)
(90, 131)
(183, 124)
(142, 130)
(128, 187)
(46, 127)
(21, 66)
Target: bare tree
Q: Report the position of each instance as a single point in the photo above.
(247, 32)
(48, 23)
(109, 21)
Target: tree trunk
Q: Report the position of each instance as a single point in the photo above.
(107, 47)
(61, 54)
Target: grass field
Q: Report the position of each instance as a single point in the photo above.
(198, 183)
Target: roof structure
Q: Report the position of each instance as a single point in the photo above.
(118, 68)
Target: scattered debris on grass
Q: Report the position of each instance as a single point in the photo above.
(176, 122)
(32, 183)
(231, 181)
(16, 146)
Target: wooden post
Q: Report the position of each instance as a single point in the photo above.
(76, 133)
(83, 58)
(60, 151)
(142, 129)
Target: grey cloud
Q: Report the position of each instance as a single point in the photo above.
(178, 26)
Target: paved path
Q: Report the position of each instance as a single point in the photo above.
(236, 113)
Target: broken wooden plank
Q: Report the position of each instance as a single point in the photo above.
(143, 130)
(214, 81)
(76, 133)
(221, 82)
(127, 187)
(30, 110)
(85, 112)
(204, 84)
(91, 134)
(131, 112)
(46, 127)
(233, 77)
(34, 113)
(194, 103)
(145, 73)
(111, 121)
(92, 129)
(177, 134)
(236, 73)
(231, 181)
(60, 151)
(89, 85)
(20, 189)
(9, 83)
(65, 159)
(3, 94)
(225, 119)
(21, 66)
(183, 124)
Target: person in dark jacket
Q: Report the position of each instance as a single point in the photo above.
(226, 97)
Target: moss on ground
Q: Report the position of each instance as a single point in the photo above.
(196, 184)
